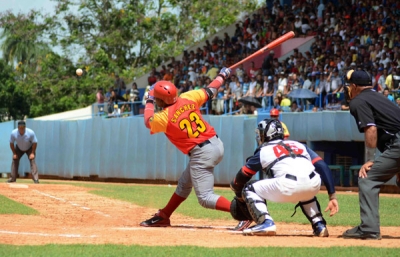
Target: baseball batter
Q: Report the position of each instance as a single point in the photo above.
(183, 124)
(292, 178)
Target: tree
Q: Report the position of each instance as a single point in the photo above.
(13, 101)
(21, 37)
(136, 33)
(103, 37)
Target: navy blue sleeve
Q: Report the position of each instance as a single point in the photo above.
(253, 163)
(323, 170)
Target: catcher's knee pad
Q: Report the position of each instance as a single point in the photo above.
(255, 204)
(312, 210)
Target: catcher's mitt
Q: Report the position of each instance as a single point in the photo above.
(239, 210)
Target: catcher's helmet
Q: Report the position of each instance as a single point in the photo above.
(166, 91)
(274, 112)
(270, 129)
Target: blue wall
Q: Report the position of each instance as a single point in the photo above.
(320, 126)
(123, 148)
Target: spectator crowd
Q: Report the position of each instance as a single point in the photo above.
(348, 35)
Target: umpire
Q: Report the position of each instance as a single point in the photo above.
(26, 143)
(379, 120)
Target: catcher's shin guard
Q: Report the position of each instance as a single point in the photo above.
(312, 210)
(255, 204)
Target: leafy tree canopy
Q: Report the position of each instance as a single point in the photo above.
(103, 37)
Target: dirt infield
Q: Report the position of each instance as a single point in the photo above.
(71, 215)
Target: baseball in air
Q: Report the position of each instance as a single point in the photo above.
(79, 72)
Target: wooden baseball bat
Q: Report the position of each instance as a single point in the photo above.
(271, 45)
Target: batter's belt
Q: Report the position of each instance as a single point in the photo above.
(204, 143)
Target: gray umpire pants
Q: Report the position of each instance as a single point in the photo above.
(15, 164)
(384, 168)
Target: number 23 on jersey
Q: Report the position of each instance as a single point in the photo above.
(186, 124)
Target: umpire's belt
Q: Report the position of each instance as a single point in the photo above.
(289, 176)
(204, 143)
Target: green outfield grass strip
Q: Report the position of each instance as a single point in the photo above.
(8, 206)
(157, 196)
(188, 251)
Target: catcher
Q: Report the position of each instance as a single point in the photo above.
(292, 178)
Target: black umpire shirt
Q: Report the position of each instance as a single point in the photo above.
(371, 108)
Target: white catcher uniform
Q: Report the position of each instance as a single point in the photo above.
(291, 178)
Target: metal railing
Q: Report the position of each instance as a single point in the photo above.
(330, 96)
(120, 109)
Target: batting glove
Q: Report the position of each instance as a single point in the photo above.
(225, 73)
(151, 95)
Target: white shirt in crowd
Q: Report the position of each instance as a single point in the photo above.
(252, 88)
(336, 82)
(307, 84)
(232, 86)
(340, 65)
(381, 81)
(323, 86)
(298, 24)
(282, 82)
(304, 28)
(240, 74)
(385, 62)
(379, 54)
(192, 76)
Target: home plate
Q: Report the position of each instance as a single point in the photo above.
(13, 185)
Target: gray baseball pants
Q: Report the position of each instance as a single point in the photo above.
(199, 173)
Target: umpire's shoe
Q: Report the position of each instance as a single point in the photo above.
(267, 228)
(242, 225)
(357, 233)
(320, 229)
(158, 220)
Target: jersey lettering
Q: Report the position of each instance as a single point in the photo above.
(186, 124)
(181, 110)
(279, 150)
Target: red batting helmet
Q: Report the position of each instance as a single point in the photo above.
(165, 91)
(274, 112)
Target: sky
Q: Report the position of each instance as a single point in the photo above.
(26, 5)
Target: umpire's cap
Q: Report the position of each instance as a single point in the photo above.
(359, 77)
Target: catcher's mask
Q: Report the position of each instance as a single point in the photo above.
(359, 78)
(268, 130)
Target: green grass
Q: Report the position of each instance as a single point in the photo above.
(157, 196)
(8, 206)
(188, 251)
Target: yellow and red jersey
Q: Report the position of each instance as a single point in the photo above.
(182, 122)
(286, 133)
